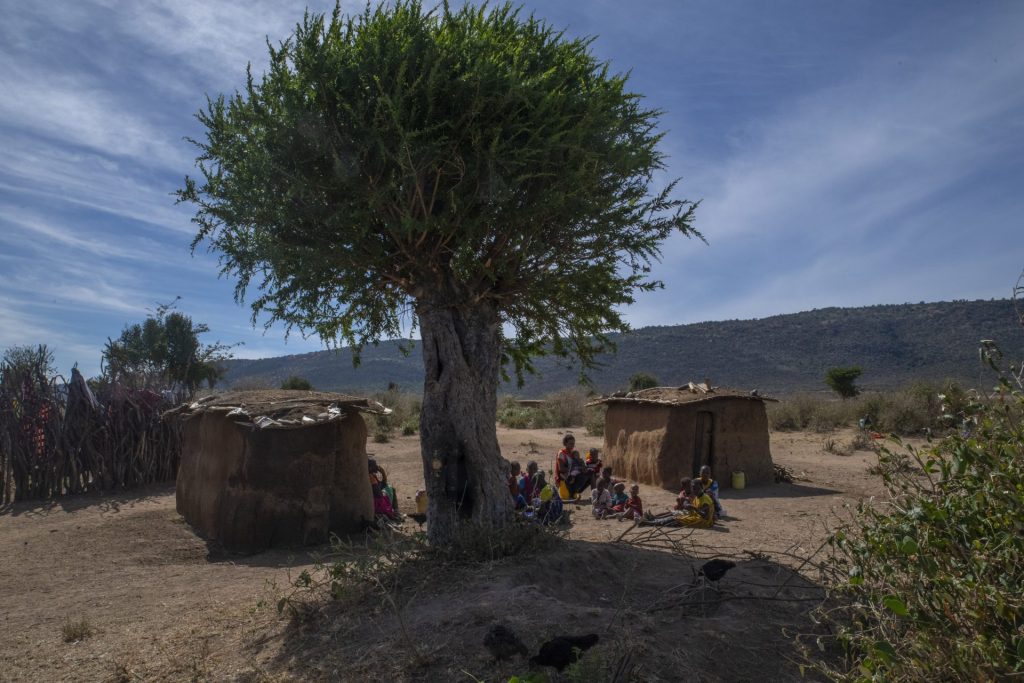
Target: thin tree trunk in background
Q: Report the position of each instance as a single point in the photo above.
(462, 464)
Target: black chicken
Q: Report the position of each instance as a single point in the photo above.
(418, 517)
(561, 651)
(715, 569)
(502, 642)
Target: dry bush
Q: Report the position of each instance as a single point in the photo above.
(74, 630)
(561, 409)
(251, 384)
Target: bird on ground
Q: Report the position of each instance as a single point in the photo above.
(715, 569)
(419, 517)
(503, 643)
(561, 651)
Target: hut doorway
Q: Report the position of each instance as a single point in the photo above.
(703, 453)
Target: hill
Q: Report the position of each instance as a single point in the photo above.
(895, 344)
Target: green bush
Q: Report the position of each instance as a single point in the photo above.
(297, 383)
(642, 380)
(928, 588)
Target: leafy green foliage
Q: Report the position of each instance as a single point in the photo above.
(297, 383)
(164, 351)
(932, 587)
(843, 380)
(642, 380)
(407, 157)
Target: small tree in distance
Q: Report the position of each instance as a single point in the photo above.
(843, 381)
(642, 380)
(471, 172)
(297, 383)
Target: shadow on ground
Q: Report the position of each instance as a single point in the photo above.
(654, 614)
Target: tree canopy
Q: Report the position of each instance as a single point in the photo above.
(843, 380)
(162, 352)
(471, 156)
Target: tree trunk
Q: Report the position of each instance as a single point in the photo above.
(462, 465)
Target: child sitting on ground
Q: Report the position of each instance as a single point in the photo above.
(619, 497)
(711, 488)
(518, 499)
(593, 463)
(601, 500)
(634, 508)
(703, 513)
(683, 500)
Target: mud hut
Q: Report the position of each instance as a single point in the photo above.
(263, 468)
(658, 436)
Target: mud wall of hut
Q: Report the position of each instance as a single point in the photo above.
(657, 444)
(250, 488)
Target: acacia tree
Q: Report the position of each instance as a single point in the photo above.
(473, 173)
(843, 381)
(164, 351)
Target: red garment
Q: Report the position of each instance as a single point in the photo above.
(635, 505)
(564, 461)
(528, 487)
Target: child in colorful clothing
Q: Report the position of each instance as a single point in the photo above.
(711, 488)
(593, 463)
(528, 482)
(634, 508)
(684, 499)
(703, 513)
(619, 497)
(601, 499)
(513, 485)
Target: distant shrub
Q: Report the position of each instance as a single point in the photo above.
(74, 630)
(912, 410)
(565, 408)
(594, 420)
(297, 383)
(642, 380)
(843, 380)
(251, 384)
(405, 409)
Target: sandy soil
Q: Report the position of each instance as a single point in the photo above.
(162, 605)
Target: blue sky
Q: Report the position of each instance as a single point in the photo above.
(847, 153)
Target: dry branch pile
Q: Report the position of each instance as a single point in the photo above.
(57, 438)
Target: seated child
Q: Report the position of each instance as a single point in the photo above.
(703, 513)
(619, 497)
(388, 490)
(547, 505)
(634, 508)
(528, 482)
(711, 488)
(683, 500)
(601, 499)
(606, 476)
(518, 499)
(593, 463)
(381, 502)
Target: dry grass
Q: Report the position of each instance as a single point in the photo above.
(75, 630)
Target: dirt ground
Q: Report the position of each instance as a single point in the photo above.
(161, 605)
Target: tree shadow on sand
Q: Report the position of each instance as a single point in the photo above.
(657, 618)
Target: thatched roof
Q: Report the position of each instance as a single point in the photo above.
(675, 396)
(279, 408)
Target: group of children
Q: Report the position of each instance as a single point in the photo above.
(697, 504)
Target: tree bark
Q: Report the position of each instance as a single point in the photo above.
(462, 465)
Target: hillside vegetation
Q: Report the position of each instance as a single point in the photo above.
(895, 344)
